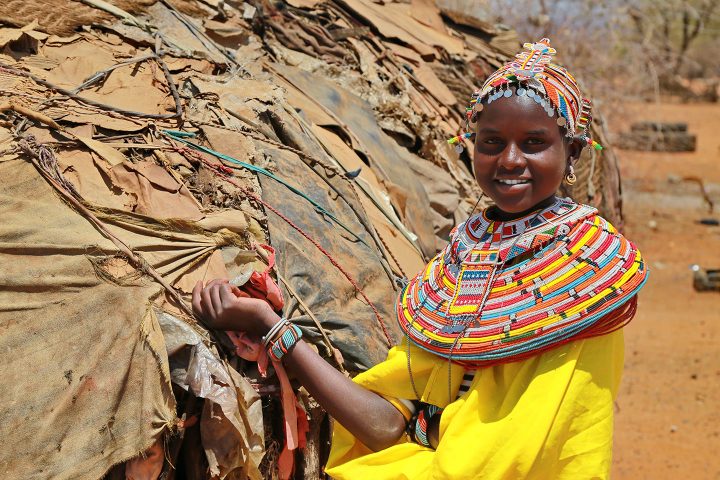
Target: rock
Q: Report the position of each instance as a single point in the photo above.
(713, 222)
(650, 141)
(658, 137)
(661, 127)
(674, 179)
(705, 280)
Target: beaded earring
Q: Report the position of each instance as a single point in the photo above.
(570, 178)
(457, 141)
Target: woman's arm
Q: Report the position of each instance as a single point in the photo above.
(368, 416)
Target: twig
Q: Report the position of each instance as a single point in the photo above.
(178, 106)
(169, 78)
(118, 12)
(32, 115)
(703, 191)
(303, 305)
(102, 74)
(201, 36)
(387, 248)
(173, 454)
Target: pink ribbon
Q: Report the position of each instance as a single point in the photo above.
(261, 285)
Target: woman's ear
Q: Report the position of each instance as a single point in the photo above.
(574, 149)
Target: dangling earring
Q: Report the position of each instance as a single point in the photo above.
(570, 178)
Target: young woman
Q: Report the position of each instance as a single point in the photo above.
(513, 354)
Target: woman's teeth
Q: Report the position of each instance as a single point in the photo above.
(512, 182)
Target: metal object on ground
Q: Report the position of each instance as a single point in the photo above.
(705, 280)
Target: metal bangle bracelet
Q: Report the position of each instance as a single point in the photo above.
(273, 330)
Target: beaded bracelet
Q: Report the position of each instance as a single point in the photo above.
(419, 432)
(288, 337)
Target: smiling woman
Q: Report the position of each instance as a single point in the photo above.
(511, 345)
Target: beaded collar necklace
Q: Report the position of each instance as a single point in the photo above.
(580, 281)
(497, 265)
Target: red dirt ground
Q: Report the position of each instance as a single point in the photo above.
(668, 410)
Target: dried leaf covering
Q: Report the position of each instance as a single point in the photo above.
(145, 146)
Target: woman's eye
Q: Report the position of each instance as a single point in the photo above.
(535, 141)
(492, 141)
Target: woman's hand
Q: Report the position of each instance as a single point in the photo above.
(371, 418)
(225, 307)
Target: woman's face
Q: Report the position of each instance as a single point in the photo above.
(520, 155)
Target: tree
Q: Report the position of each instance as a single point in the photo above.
(674, 25)
(616, 47)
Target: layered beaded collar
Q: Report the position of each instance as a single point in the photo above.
(478, 302)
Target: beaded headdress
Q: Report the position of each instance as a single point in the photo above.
(532, 74)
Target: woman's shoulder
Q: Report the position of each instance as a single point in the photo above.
(590, 215)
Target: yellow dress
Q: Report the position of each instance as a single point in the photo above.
(547, 417)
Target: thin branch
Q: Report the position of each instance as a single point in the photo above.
(69, 93)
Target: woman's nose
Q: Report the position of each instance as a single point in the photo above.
(511, 157)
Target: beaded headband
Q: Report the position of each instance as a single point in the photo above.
(549, 85)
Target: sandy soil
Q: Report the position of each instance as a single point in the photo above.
(668, 410)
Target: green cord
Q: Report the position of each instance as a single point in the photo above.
(180, 137)
(179, 134)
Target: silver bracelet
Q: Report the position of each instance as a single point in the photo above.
(273, 330)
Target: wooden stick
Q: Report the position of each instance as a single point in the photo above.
(31, 114)
(310, 314)
(139, 262)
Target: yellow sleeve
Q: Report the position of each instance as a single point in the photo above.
(550, 416)
(391, 380)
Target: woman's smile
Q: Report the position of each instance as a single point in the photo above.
(512, 188)
(513, 182)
